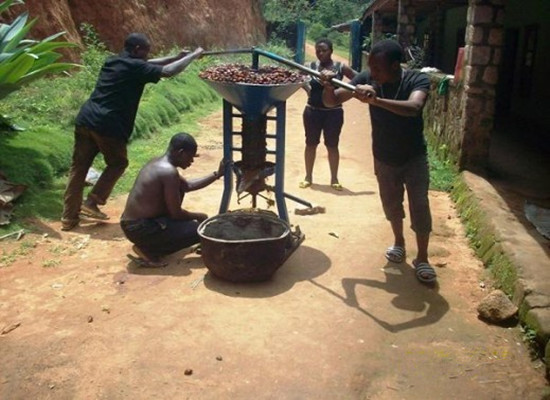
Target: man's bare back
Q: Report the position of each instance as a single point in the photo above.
(153, 218)
(148, 198)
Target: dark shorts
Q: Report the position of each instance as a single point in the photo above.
(161, 236)
(328, 121)
(392, 182)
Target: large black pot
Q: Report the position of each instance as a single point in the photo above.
(244, 246)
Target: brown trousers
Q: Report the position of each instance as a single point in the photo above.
(87, 144)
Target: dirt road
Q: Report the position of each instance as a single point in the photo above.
(335, 322)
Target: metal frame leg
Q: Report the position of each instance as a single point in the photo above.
(280, 160)
(227, 155)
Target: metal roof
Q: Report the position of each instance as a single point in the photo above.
(422, 7)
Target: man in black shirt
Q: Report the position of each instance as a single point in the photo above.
(396, 98)
(106, 120)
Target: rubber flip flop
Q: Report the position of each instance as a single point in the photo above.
(396, 254)
(146, 264)
(91, 213)
(304, 184)
(337, 186)
(424, 272)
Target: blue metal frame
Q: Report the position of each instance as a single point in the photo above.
(280, 160)
(300, 55)
(279, 138)
(227, 155)
(355, 45)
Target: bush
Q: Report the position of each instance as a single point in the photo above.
(339, 39)
(316, 31)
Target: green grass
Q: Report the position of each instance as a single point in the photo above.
(482, 238)
(442, 171)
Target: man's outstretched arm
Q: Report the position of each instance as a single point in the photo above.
(169, 59)
(199, 183)
(177, 66)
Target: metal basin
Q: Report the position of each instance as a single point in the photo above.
(244, 246)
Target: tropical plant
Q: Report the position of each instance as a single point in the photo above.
(24, 60)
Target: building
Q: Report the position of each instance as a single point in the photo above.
(502, 81)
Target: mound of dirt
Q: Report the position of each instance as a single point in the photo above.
(243, 227)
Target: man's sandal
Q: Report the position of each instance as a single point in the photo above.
(337, 186)
(304, 184)
(396, 254)
(424, 272)
(92, 213)
(69, 224)
(146, 263)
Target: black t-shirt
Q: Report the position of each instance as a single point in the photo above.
(396, 139)
(315, 98)
(112, 107)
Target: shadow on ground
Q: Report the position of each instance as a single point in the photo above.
(305, 264)
(410, 296)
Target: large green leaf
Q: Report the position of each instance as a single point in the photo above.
(8, 3)
(18, 24)
(13, 71)
(44, 59)
(3, 29)
(24, 60)
(14, 38)
(49, 46)
(52, 37)
(50, 69)
(5, 56)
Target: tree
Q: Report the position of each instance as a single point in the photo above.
(285, 10)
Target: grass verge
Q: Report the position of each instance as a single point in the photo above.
(482, 238)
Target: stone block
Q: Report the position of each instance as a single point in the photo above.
(497, 56)
(490, 75)
(481, 55)
(531, 301)
(489, 106)
(482, 14)
(469, 35)
(479, 34)
(468, 54)
(469, 73)
(500, 18)
(521, 291)
(496, 36)
(474, 106)
(473, 90)
(538, 319)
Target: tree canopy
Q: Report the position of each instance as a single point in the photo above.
(324, 12)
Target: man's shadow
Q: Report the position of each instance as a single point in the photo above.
(411, 295)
